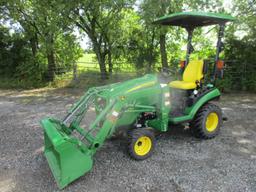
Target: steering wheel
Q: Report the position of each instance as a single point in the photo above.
(166, 72)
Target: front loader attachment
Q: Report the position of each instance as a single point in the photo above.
(69, 147)
(67, 157)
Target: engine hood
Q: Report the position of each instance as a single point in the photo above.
(130, 86)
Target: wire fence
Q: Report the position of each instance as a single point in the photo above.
(236, 75)
(82, 70)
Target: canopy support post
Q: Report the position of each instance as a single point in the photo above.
(218, 50)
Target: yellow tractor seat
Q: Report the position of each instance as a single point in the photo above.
(193, 73)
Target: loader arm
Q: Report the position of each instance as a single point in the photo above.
(70, 157)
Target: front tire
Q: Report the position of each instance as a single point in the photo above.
(141, 143)
(207, 121)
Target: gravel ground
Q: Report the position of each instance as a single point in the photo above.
(180, 162)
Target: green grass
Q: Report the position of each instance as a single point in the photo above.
(87, 57)
(9, 83)
(88, 62)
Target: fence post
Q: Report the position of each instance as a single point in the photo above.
(74, 71)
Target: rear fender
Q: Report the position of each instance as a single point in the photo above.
(191, 111)
(212, 95)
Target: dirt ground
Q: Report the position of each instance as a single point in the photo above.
(180, 161)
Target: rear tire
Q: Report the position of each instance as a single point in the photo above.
(141, 143)
(207, 121)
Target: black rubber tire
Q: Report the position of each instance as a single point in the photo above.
(198, 125)
(134, 135)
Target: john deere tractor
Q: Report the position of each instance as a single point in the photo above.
(146, 104)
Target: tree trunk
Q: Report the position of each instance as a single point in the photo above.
(151, 53)
(163, 51)
(149, 61)
(110, 64)
(51, 66)
(74, 71)
(103, 70)
(34, 45)
(101, 57)
(50, 58)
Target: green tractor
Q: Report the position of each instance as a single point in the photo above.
(147, 104)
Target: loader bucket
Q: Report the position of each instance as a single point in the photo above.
(67, 157)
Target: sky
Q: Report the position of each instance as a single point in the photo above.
(83, 39)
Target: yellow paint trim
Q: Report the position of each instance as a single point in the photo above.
(143, 146)
(141, 86)
(212, 122)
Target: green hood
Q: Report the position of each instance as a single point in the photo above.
(130, 86)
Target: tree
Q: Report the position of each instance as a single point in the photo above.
(43, 25)
(97, 19)
(151, 10)
(240, 47)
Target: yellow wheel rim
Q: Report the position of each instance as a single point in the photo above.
(142, 146)
(212, 122)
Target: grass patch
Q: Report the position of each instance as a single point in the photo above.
(85, 80)
(87, 57)
(89, 62)
(9, 83)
